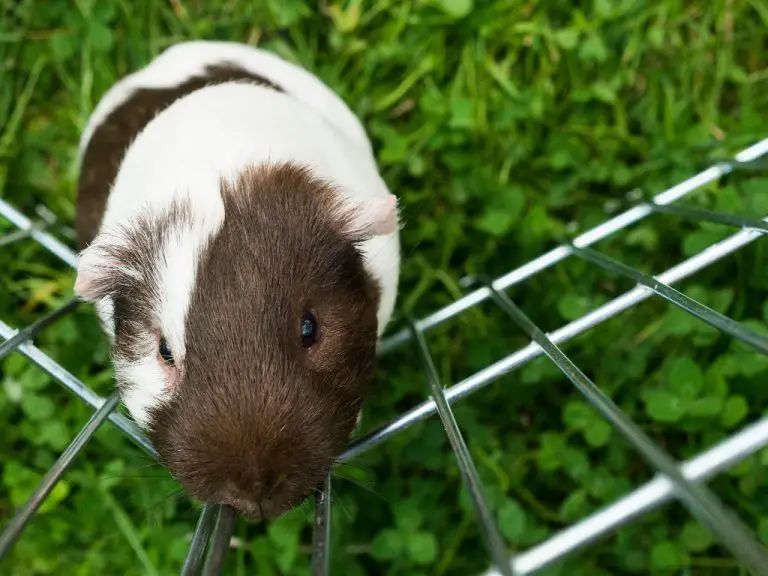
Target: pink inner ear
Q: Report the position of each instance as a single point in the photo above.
(379, 216)
(84, 285)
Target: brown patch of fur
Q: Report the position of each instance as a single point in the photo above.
(258, 419)
(110, 140)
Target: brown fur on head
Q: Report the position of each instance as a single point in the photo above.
(256, 412)
(258, 416)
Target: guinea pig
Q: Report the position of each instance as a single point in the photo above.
(242, 254)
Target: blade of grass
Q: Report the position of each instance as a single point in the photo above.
(11, 129)
(128, 530)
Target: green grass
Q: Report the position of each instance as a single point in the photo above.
(503, 127)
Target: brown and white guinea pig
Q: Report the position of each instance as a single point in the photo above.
(242, 254)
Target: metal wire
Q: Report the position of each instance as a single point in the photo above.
(709, 216)
(321, 548)
(490, 532)
(43, 238)
(215, 524)
(15, 236)
(202, 535)
(641, 501)
(702, 504)
(585, 239)
(220, 539)
(78, 388)
(712, 317)
(29, 332)
(517, 359)
(49, 481)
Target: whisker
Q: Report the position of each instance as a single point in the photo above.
(364, 487)
(155, 505)
(137, 476)
(353, 466)
(145, 465)
(353, 479)
(345, 511)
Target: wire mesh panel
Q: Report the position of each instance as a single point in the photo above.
(684, 482)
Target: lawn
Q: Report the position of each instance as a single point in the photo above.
(504, 127)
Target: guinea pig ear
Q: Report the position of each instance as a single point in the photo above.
(91, 282)
(371, 217)
(98, 271)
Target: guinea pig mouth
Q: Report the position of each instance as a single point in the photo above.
(256, 517)
(256, 507)
(268, 509)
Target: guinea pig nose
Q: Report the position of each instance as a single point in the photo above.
(248, 493)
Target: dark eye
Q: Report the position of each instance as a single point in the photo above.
(165, 352)
(308, 329)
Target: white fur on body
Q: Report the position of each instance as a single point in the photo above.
(214, 133)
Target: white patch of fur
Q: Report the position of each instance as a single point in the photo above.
(137, 395)
(177, 268)
(214, 133)
(105, 310)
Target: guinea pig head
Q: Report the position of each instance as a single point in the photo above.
(248, 365)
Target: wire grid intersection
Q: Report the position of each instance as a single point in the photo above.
(683, 482)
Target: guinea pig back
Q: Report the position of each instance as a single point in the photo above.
(242, 253)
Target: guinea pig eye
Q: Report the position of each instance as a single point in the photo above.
(165, 352)
(308, 329)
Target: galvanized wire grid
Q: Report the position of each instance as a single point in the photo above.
(682, 481)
